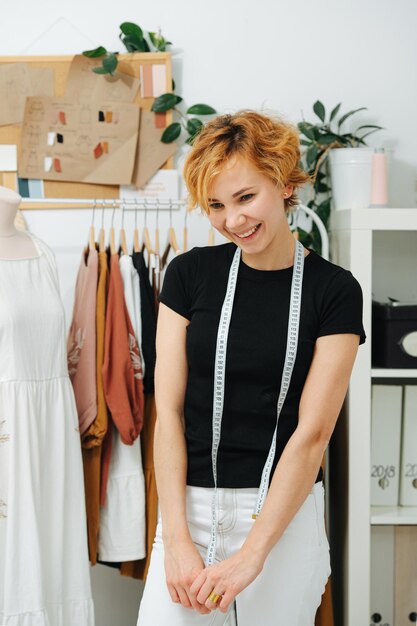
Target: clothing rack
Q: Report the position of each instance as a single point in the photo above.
(127, 204)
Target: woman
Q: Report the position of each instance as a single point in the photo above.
(253, 333)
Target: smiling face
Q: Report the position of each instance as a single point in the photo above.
(248, 208)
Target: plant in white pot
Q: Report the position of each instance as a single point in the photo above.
(323, 141)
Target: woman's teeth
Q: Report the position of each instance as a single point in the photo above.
(249, 232)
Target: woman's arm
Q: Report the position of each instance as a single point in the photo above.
(182, 560)
(321, 400)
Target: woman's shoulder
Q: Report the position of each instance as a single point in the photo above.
(328, 277)
(203, 257)
(326, 269)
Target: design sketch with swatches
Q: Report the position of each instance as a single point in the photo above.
(60, 147)
(84, 143)
(36, 110)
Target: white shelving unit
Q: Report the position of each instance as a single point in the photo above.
(379, 247)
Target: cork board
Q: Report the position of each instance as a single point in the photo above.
(134, 64)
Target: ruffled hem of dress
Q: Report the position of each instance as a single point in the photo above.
(70, 613)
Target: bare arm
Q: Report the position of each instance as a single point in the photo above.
(322, 397)
(321, 400)
(182, 560)
(170, 453)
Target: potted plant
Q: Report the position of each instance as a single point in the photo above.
(322, 141)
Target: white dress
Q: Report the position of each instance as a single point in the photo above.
(44, 569)
(122, 534)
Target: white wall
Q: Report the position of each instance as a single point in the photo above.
(279, 55)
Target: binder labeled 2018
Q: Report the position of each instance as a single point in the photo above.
(385, 444)
(408, 483)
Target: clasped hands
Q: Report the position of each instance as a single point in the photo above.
(190, 583)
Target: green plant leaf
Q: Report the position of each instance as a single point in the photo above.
(133, 44)
(319, 110)
(325, 140)
(110, 63)
(131, 30)
(173, 84)
(367, 134)
(165, 102)
(97, 52)
(307, 129)
(346, 115)
(348, 139)
(304, 237)
(154, 38)
(201, 109)
(194, 125)
(304, 142)
(323, 210)
(321, 187)
(312, 154)
(171, 133)
(370, 126)
(158, 41)
(100, 70)
(335, 111)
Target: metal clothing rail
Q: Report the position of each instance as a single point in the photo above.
(127, 204)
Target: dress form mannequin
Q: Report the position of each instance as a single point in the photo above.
(14, 244)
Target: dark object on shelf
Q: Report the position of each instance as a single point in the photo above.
(394, 334)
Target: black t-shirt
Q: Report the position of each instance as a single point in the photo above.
(195, 286)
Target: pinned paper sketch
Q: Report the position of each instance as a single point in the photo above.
(18, 81)
(15, 87)
(42, 81)
(152, 153)
(85, 85)
(63, 140)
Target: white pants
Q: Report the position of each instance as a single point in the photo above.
(288, 590)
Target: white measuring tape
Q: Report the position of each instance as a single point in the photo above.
(219, 379)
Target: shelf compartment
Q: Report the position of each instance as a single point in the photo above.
(393, 372)
(393, 515)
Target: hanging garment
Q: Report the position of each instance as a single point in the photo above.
(44, 571)
(122, 525)
(122, 518)
(122, 372)
(132, 296)
(139, 569)
(92, 438)
(148, 317)
(81, 343)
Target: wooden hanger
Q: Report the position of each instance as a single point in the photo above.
(91, 234)
(112, 239)
(122, 236)
(146, 238)
(136, 246)
(172, 243)
(101, 234)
